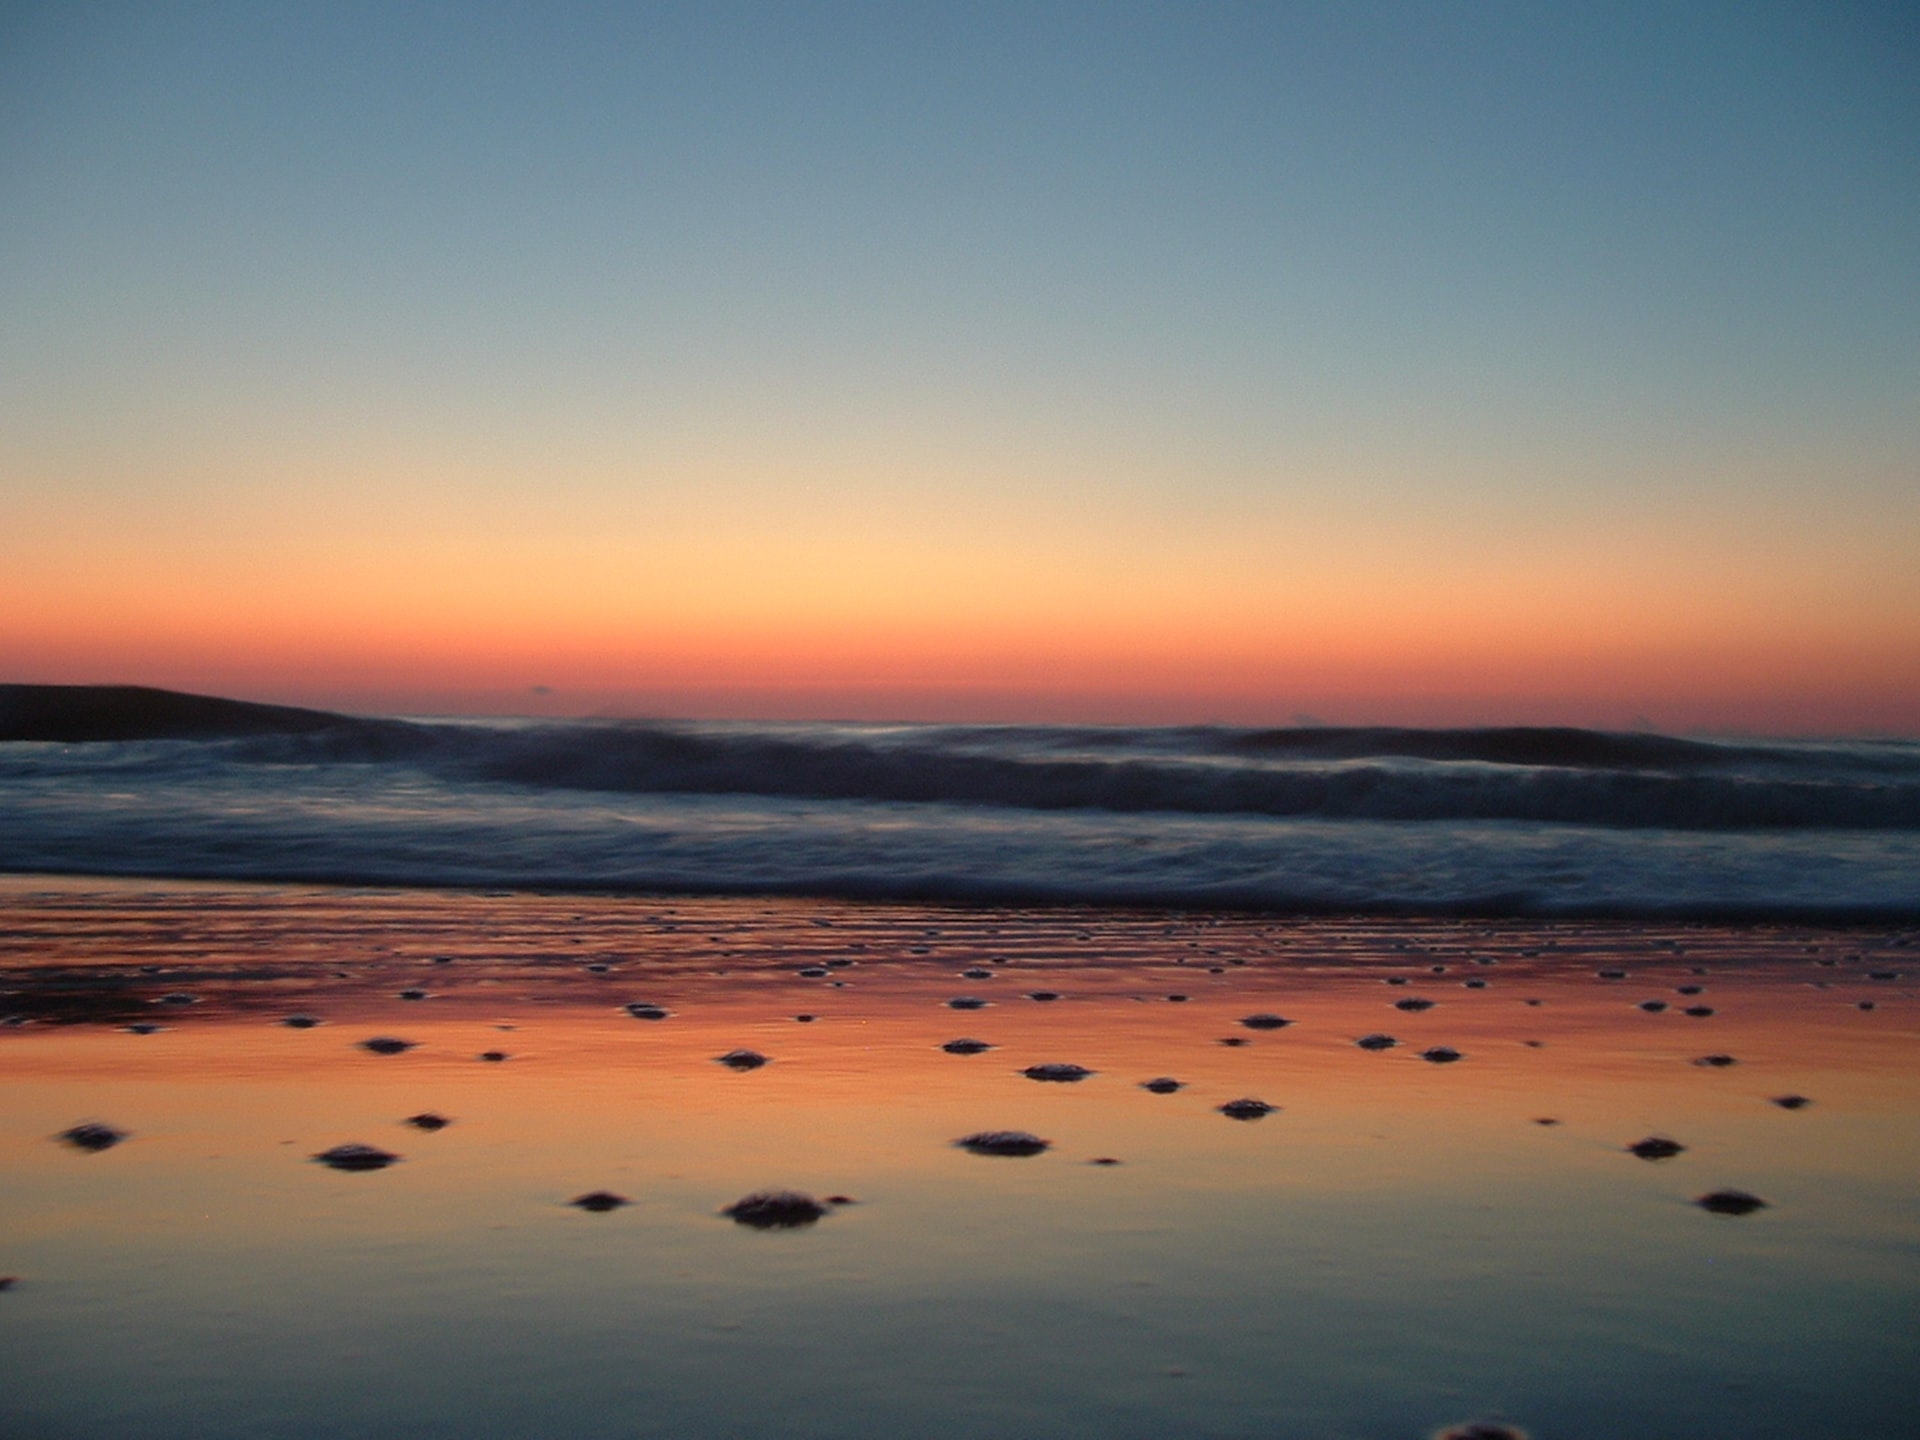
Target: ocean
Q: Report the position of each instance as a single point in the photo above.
(1499, 821)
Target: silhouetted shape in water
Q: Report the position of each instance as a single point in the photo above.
(301, 1022)
(1061, 1071)
(493, 1056)
(413, 994)
(427, 1120)
(775, 1210)
(966, 1047)
(976, 973)
(839, 1200)
(1730, 1202)
(386, 1045)
(641, 1010)
(1376, 1042)
(1247, 1109)
(1611, 974)
(1164, 1085)
(1716, 1062)
(966, 1002)
(1481, 1430)
(93, 1137)
(1440, 1054)
(1043, 995)
(143, 1027)
(1883, 974)
(742, 1059)
(1866, 1005)
(1413, 1002)
(1265, 1022)
(1002, 1142)
(598, 969)
(1791, 1102)
(1656, 1147)
(1653, 1007)
(814, 972)
(599, 1202)
(356, 1157)
(7, 1282)
(178, 997)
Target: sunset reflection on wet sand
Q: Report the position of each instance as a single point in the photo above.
(1402, 1243)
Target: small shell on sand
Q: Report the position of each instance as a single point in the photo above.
(1376, 1041)
(1440, 1054)
(1002, 1142)
(1060, 1071)
(1246, 1109)
(427, 1120)
(775, 1210)
(1730, 1202)
(387, 1045)
(964, 1046)
(1265, 1021)
(92, 1137)
(599, 1202)
(742, 1059)
(356, 1157)
(1656, 1147)
(1162, 1085)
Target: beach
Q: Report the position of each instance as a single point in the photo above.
(1446, 1228)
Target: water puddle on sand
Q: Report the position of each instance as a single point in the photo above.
(1401, 1244)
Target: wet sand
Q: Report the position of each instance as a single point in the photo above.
(1394, 1246)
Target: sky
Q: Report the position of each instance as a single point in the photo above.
(1375, 363)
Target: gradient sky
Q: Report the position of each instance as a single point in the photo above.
(1438, 363)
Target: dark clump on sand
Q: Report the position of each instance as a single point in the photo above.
(93, 1137)
(1103, 1160)
(1413, 1002)
(1002, 1142)
(1546, 1120)
(143, 1027)
(1866, 1005)
(1730, 1202)
(1376, 1041)
(814, 972)
(1440, 1054)
(1162, 1085)
(741, 1059)
(1043, 995)
(1791, 1102)
(1246, 1109)
(964, 1046)
(1699, 1012)
(599, 1202)
(413, 994)
(356, 1157)
(775, 1210)
(427, 1120)
(1062, 1071)
(966, 1002)
(1716, 1062)
(976, 973)
(1265, 1022)
(1653, 1007)
(1656, 1147)
(642, 1010)
(178, 997)
(301, 1022)
(387, 1045)
(493, 1057)
(1611, 974)
(1481, 1430)
(804, 1019)
(1233, 1039)
(1177, 999)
